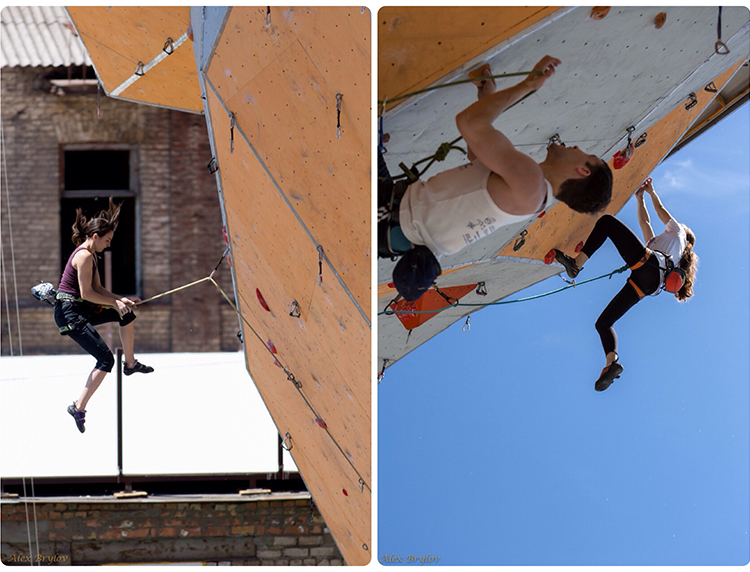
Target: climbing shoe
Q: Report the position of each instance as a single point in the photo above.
(567, 262)
(137, 367)
(608, 375)
(79, 416)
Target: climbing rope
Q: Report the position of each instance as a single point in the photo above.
(6, 187)
(459, 82)
(269, 348)
(388, 312)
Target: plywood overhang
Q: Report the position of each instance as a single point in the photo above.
(117, 38)
(607, 82)
(290, 182)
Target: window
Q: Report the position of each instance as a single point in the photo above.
(90, 175)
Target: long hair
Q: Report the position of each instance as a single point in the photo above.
(689, 264)
(104, 222)
(591, 194)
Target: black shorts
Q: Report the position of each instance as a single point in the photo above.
(80, 318)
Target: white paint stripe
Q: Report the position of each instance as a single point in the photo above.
(133, 78)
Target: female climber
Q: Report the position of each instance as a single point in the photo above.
(650, 266)
(82, 303)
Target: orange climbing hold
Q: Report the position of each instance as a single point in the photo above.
(599, 12)
(660, 19)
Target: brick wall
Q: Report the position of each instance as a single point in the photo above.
(179, 215)
(236, 530)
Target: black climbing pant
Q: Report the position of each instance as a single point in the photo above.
(646, 277)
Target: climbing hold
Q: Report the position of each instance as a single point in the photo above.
(599, 12)
(477, 74)
(320, 422)
(271, 347)
(190, 33)
(346, 494)
(549, 257)
(541, 214)
(262, 300)
(579, 246)
(661, 18)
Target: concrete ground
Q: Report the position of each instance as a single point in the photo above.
(196, 413)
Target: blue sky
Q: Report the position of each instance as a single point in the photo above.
(494, 447)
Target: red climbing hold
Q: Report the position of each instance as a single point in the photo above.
(346, 494)
(262, 300)
(320, 422)
(271, 347)
(549, 258)
(579, 246)
(541, 214)
(226, 239)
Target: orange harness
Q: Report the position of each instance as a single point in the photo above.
(672, 276)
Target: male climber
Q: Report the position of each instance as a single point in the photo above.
(499, 187)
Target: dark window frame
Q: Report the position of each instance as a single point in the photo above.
(130, 193)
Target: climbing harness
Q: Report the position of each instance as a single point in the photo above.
(672, 277)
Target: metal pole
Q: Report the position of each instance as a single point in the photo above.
(119, 414)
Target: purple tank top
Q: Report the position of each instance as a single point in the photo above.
(69, 280)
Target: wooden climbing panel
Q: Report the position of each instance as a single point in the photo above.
(288, 103)
(119, 37)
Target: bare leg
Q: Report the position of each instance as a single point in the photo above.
(92, 384)
(127, 337)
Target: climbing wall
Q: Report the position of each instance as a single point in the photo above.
(141, 55)
(286, 96)
(617, 72)
(288, 100)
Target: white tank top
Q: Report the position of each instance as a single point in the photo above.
(454, 209)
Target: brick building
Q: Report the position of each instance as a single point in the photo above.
(280, 529)
(65, 147)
